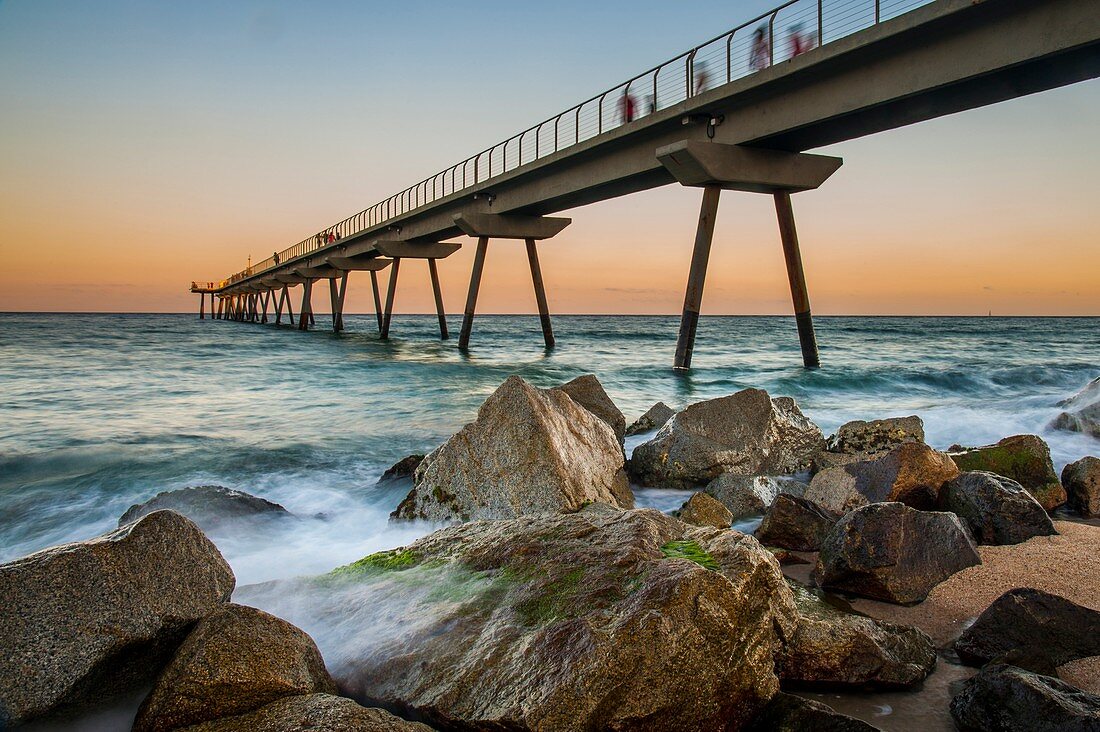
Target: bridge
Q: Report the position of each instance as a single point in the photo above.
(736, 113)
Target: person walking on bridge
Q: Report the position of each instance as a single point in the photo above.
(626, 106)
(275, 258)
(760, 57)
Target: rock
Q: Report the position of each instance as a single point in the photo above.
(234, 661)
(790, 713)
(1023, 458)
(997, 510)
(654, 419)
(402, 469)
(83, 623)
(312, 713)
(529, 451)
(891, 552)
(1082, 483)
(601, 619)
(877, 437)
(587, 391)
(744, 495)
(796, 523)
(703, 510)
(1031, 620)
(832, 647)
(209, 506)
(1082, 411)
(913, 474)
(1003, 698)
(747, 433)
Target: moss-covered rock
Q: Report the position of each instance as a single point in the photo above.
(1023, 458)
(704, 510)
(913, 474)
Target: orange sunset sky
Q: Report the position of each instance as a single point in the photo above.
(143, 145)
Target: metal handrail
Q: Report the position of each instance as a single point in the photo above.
(844, 18)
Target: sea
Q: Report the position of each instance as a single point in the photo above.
(103, 411)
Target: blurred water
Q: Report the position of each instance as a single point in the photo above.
(103, 411)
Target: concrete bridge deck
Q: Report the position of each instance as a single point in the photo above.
(882, 65)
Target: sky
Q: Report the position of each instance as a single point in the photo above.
(146, 144)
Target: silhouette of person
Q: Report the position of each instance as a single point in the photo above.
(626, 107)
(702, 77)
(800, 43)
(275, 256)
(760, 56)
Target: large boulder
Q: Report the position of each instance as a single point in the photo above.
(891, 552)
(83, 623)
(529, 451)
(1023, 458)
(1032, 622)
(704, 510)
(997, 510)
(587, 391)
(209, 506)
(744, 495)
(1003, 698)
(654, 419)
(860, 440)
(832, 647)
(796, 523)
(1082, 483)
(790, 713)
(1082, 411)
(312, 713)
(234, 661)
(403, 469)
(747, 433)
(601, 619)
(912, 473)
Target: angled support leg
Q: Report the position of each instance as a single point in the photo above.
(390, 292)
(289, 308)
(340, 302)
(202, 306)
(443, 334)
(377, 299)
(797, 277)
(306, 314)
(540, 293)
(263, 306)
(471, 296)
(693, 296)
(279, 306)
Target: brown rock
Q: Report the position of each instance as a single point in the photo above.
(747, 433)
(1082, 411)
(234, 661)
(209, 506)
(790, 713)
(654, 418)
(1023, 458)
(891, 552)
(529, 451)
(877, 437)
(913, 474)
(403, 468)
(1082, 482)
(703, 510)
(744, 495)
(587, 391)
(997, 510)
(312, 713)
(83, 623)
(796, 523)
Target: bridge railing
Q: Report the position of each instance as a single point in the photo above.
(210, 285)
(767, 39)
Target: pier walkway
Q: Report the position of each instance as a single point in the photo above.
(734, 113)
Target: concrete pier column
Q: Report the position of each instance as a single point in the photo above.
(336, 297)
(807, 339)
(263, 307)
(471, 296)
(433, 271)
(391, 291)
(289, 307)
(279, 304)
(693, 296)
(202, 306)
(540, 293)
(305, 317)
(377, 299)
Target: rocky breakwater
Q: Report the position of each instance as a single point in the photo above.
(529, 451)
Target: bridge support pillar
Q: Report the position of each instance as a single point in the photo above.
(289, 306)
(540, 293)
(807, 339)
(305, 315)
(433, 272)
(471, 296)
(391, 291)
(221, 304)
(336, 298)
(377, 299)
(202, 306)
(397, 250)
(263, 305)
(693, 295)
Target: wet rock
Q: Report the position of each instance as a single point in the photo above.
(1003, 698)
(891, 552)
(601, 619)
(744, 495)
(234, 661)
(796, 523)
(913, 474)
(790, 713)
(832, 647)
(997, 510)
(587, 391)
(209, 506)
(747, 433)
(1082, 483)
(654, 418)
(403, 469)
(1082, 411)
(312, 713)
(867, 440)
(1023, 458)
(86, 622)
(1031, 620)
(529, 451)
(703, 510)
